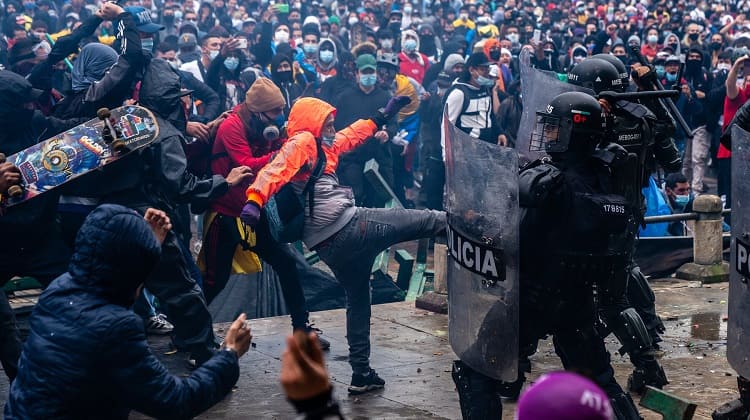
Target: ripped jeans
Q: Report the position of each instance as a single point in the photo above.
(351, 252)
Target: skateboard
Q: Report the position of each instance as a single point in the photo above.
(81, 150)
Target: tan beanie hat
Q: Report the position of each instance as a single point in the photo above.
(264, 96)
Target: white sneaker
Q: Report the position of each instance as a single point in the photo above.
(158, 325)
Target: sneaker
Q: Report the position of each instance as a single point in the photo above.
(365, 383)
(158, 325)
(325, 345)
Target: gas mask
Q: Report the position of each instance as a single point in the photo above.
(272, 131)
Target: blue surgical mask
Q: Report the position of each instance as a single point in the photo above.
(681, 200)
(660, 71)
(326, 56)
(485, 81)
(147, 44)
(178, 14)
(232, 63)
(310, 48)
(368, 80)
(410, 45)
(328, 140)
(671, 77)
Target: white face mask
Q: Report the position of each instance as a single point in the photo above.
(213, 54)
(723, 66)
(281, 37)
(353, 20)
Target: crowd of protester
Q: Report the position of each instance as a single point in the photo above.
(224, 75)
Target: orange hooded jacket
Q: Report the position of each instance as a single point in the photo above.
(296, 159)
(488, 45)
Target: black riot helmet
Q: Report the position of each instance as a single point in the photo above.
(595, 74)
(620, 66)
(571, 123)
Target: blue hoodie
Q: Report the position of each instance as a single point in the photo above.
(87, 356)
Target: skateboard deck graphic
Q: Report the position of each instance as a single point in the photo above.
(80, 150)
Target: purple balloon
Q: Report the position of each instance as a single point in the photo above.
(564, 396)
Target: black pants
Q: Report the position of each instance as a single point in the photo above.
(44, 260)
(290, 265)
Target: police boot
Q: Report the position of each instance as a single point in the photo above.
(477, 393)
(648, 373)
(623, 407)
(738, 409)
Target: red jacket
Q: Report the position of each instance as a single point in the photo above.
(414, 67)
(231, 149)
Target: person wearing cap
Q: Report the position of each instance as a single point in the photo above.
(146, 28)
(355, 101)
(21, 251)
(250, 137)
(187, 44)
(469, 103)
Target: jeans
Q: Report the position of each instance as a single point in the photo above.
(351, 252)
(696, 158)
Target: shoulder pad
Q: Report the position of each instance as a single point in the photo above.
(636, 110)
(535, 182)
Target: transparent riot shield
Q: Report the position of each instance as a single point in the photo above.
(483, 218)
(538, 87)
(738, 328)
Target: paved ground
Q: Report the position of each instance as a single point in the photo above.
(411, 352)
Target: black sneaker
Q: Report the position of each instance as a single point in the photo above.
(325, 345)
(365, 383)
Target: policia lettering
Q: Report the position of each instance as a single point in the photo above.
(476, 257)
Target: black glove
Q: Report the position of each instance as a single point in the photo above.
(394, 105)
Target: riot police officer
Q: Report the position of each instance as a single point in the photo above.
(585, 255)
(631, 126)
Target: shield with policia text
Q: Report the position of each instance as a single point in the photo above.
(483, 217)
(538, 88)
(738, 328)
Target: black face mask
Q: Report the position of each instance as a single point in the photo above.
(673, 47)
(284, 76)
(716, 46)
(693, 66)
(693, 37)
(495, 54)
(395, 27)
(623, 58)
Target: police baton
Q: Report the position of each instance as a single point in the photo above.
(635, 51)
(629, 96)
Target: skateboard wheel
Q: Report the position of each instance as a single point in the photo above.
(103, 113)
(15, 191)
(119, 146)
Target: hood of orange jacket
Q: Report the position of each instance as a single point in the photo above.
(489, 44)
(308, 115)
